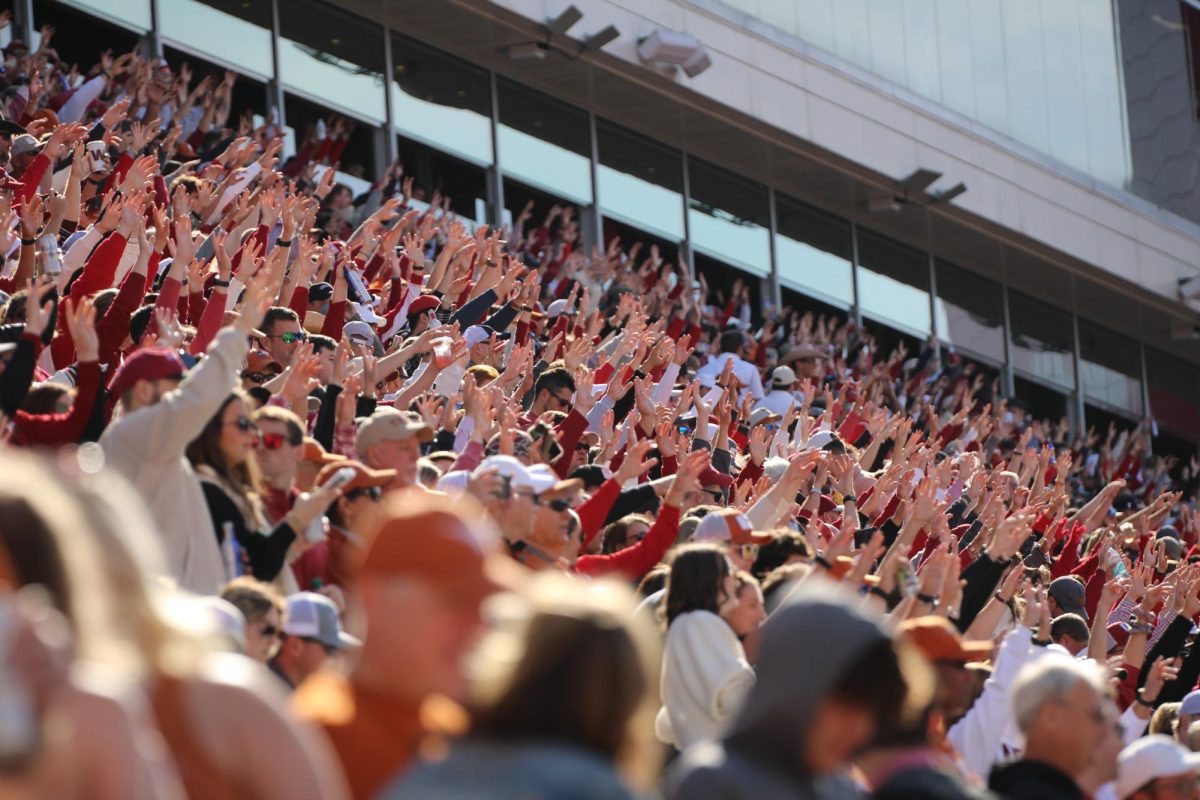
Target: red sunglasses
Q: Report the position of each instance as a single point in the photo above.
(272, 441)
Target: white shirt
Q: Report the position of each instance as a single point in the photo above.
(746, 373)
(778, 401)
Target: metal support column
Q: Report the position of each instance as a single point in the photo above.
(1080, 420)
(23, 22)
(275, 85)
(933, 321)
(154, 40)
(773, 282)
(495, 178)
(389, 128)
(1007, 373)
(593, 231)
(856, 310)
(686, 245)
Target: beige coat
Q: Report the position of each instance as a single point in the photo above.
(147, 446)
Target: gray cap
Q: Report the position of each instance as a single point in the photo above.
(25, 143)
(1070, 595)
(314, 616)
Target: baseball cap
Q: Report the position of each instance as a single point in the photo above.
(519, 475)
(423, 303)
(454, 549)
(762, 415)
(388, 423)
(713, 477)
(359, 332)
(939, 640)
(261, 361)
(783, 376)
(364, 476)
(314, 452)
(1070, 595)
(10, 127)
(320, 292)
(728, 526)
(1190, 704)
(1150, 758)
(314, 616)
(149, 364)
(25, 143)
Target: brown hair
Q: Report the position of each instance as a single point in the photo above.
(285, 416)
(205, 449)
(43, 398)
(253, 598)
(695, 583)
(585, 675)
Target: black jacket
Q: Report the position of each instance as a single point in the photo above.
(1033, 780)
(928, 783)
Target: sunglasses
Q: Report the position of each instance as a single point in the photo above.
(289, 338)
(258, 377)
(270, 631)
(582, 448)
(374, 492)
(274, 441)
(243, 424)
(558, 506)
(716, 494)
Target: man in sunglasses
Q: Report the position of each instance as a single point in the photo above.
(554, 390)
(311, 634)
(330, 562)
(284, 334)
(279, 450)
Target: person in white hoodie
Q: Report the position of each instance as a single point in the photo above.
(705, 674)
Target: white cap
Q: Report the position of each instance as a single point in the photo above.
(511, 468)
(544, 478)
(1150, 758)
(454, 482)
(556, 308)
(475, 334)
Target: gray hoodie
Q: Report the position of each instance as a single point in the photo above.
(806, 645)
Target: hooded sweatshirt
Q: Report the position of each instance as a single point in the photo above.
(806, 646)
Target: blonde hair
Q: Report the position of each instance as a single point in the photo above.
(575, 666)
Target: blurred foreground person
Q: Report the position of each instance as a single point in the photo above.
(262, 606)
(424, 574)
(1158, 768)
(562, 703)
(222, 719)
(828, 678)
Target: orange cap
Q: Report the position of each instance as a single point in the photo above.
(364, 476)
(314, 452)
(939, 640)
(261, 361)
(452, 549)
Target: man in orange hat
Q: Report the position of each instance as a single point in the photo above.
(330, 562)
(313, 459)
(949, 653)
(427, 568)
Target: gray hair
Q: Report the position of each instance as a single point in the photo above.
(1046, 680)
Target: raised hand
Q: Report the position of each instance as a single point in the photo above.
(81, 322)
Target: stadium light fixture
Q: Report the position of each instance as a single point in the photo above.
(601, 38)
(564, 21)
(675, 49)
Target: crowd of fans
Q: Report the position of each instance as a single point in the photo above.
(313, 495)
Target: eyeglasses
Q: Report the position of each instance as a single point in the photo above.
(270, 631)
(274, 441)
(289, 338)
(374, 492)
(558, 505)
(243, 424)
(748, 551)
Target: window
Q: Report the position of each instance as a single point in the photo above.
(80, 37)
(1042, 341)
(722, 278)
(332, 57)
(432, 170)
(970, 311)
(640, 182)
(235, 32)
(893, 283)
(353, 150)
(134, 13)
(1110, 367)
(814, 252)
(729, 217)
(544, 143)
(441, 101)
(1173, 387)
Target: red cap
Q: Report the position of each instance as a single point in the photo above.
(712, 477)
(423, 303)
(149, 364)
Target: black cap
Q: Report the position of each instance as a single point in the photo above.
(319, 292)
(9, 127)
